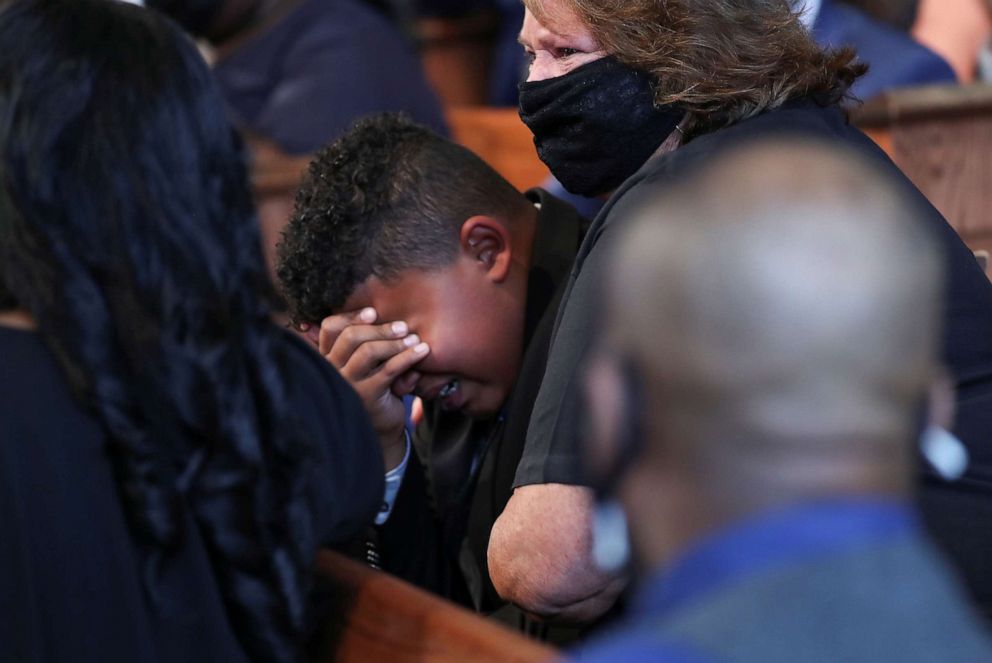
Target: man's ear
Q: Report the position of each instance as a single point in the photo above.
(942, 401)
(604, 403)
(487, 240)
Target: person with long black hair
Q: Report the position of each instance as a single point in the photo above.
(170, 459)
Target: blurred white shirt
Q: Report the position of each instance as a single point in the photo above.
(810, 10)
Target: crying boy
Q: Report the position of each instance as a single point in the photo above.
(418, 270)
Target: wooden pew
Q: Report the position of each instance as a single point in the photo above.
(941, 137)
(275, 177)
(273, 172)
(495, 134)
(457, 56)
(376, 617)
(502, 140)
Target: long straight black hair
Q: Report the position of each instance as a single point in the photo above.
(127, 231)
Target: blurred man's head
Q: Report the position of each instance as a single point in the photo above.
(394, 217)
(779, 316)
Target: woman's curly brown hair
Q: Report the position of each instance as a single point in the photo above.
(721, 60)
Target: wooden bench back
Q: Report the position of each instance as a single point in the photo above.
(376, 617)
(502, 140)
(457, 55)
(941, 137)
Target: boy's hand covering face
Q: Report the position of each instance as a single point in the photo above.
(471, 313)
(378, 361)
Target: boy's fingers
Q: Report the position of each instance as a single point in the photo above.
(352, 339)
(372, 357)
(394, 368)
(382, 379)
(332, 326)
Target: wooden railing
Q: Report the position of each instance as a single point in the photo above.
(941, 137)
(373, 617)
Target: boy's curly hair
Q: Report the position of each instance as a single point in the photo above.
(388, 196)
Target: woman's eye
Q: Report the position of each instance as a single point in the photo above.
(565, 52)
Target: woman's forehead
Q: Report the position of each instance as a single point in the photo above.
(557, 16)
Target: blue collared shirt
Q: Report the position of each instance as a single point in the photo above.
(772, 540)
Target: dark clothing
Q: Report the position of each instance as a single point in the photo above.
(461, 477)
(960, 513)
(894, 58)
(76, 584)
(450, 8)
(825, 582)
(307, 78)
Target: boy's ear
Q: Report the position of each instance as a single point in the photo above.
(487, 240)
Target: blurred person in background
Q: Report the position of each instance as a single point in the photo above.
(297, 73)
(623, 98)
(170, 459)
(900, 14)
(959, 30)
(756, 418)
(894, 58)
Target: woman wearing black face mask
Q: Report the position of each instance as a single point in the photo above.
(623, 98)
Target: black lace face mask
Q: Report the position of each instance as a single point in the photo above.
(596, 126)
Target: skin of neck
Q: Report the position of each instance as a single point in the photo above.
(672, 501)
(676, 139)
